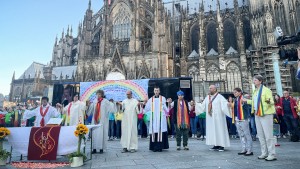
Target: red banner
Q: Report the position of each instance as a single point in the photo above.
(43, 143)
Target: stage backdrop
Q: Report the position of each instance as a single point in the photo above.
(114, 89)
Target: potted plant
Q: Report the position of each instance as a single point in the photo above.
(77, 158)
(3, 153)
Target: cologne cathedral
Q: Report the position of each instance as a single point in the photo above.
(222, 42)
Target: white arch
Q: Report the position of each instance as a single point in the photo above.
(115, 76)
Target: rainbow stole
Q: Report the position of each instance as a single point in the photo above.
(260, 108)
(182, 123)
(240, 110)
(69, 112)
(160, 117)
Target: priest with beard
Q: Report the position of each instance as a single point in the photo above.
(217, 109)
(129, 138)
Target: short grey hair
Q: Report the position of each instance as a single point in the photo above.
(258, 77)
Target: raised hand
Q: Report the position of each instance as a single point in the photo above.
(244, 100)
(229, 104)
(59, 105)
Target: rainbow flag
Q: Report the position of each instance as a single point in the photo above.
(240, 111)
(260, 108)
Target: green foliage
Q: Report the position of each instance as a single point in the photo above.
(75, 154)
(4, 154)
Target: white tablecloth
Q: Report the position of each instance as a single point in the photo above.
(67, 142)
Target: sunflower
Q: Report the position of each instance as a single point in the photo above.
(2, 134)
(76, 133)
(7, 131)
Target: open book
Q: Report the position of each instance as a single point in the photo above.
(55, 121)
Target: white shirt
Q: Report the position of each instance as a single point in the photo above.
(52, 112)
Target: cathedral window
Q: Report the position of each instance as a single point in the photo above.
(247, 33)
(229, 34)
(233, 76)
(95, 44)
(194, 73)
(280, 16)
(213, 73)
(121, 28)
(212, 36)
(146, 38)
(195, 37)
(28, 92)
(17, 94)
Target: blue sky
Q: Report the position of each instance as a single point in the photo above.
(28, 30)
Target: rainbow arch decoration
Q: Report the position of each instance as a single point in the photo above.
(114, 89)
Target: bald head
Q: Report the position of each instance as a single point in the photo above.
(129, 94)
(212, 89)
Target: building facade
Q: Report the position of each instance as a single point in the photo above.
(215, 42)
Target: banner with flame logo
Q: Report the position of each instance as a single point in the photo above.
(43, 143)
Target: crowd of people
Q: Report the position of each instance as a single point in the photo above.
(214, 119)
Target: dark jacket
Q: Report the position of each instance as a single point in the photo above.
(175, 109)
(246, 110)
(293, 103)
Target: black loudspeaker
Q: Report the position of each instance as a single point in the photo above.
(57, 93)
(170, 86)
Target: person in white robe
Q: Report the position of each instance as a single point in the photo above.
(217, 109)
(158, 129)
(74, 111)
(42, 113)
(129, 138)
(100, 109)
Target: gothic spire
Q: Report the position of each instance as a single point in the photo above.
(68, 31)
(55, 43)
(235, 3)
(218, 11)
(201, 6)
(13, 78)
(71, 31)
(89, 4)
(79, 28)
(63, 34)
(236, 7)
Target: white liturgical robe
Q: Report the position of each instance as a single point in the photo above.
(100, 135)
(75, 112)
(51, 113)
(216, 126)
(155, 104)
(129, 137)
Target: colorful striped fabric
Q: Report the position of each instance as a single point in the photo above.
(260, 109)
(240, 111)
(182, 123)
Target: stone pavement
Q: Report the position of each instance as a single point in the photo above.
(199, 156)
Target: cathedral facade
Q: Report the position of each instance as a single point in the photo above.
(215, 42)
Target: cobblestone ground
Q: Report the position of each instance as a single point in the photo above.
(199, 156)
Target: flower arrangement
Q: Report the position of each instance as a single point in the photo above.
(80, 132)
(3, 133)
